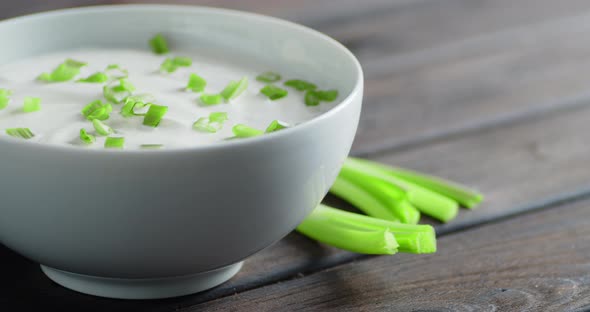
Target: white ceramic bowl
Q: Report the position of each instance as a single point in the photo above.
(154, 224)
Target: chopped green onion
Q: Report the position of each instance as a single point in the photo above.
(74, 63)
(159, 45)
(63, 72)
(86, 138)
(311, 98)
(102, 128)
(4, 98)
(124, 86)
(170, 65)
(374, 197)
(210, 99)
(234, 89)
(412, 238)
(32, 104)
(97, 110)
(268, 77)
(202, 124)
(182, 61)
(274, 92)
(276, 125)
(379, 242)
(196, 83)
(300, 85)
(123, 73)
(151, 146)
(327, 96)
(243, 131)
(462, 194)
(154, 115)
(219, 117)
(22, 133)
(133, 102)
(114, 142)
(118, 93)
(211, 124)
(97, 77)
(427, 201)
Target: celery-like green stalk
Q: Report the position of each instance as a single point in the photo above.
(464, 195)
(392, 197)
(373, 242)
(427, 201)
(412, 238)
(361, 199)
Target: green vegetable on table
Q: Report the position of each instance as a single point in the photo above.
(393, 199)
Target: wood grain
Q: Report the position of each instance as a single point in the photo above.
(536, 262)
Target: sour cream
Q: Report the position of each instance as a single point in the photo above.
(59, 121)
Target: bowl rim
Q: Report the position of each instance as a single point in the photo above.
(227, 144)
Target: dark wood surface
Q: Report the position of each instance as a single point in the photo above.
(491, 93)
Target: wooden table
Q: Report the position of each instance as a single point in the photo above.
(491, 93)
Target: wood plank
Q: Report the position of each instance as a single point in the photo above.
(519, 167)
(473, 84)
(17, 8)
(536, 262)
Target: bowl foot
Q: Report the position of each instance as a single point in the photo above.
(152, 288)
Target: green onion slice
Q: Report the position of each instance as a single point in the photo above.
(196, 83)
(159, 44)
(118, 93)
(170, 65)
(22, 133)
(32, 104)
(86, 138)
(211, 124)
(135, 102)
(311, 98)
(273, 92)
(65, 71)
(210, 99)
(234, 89)
(98, 77)
(114, 142)
(97, 110)
(243, 131)
(300, 85)
(4, 98)
(115, 72)
(101, 128)
(154, 115)
(327, 95)
(202, 124)
(276, 125)
(268, 77)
